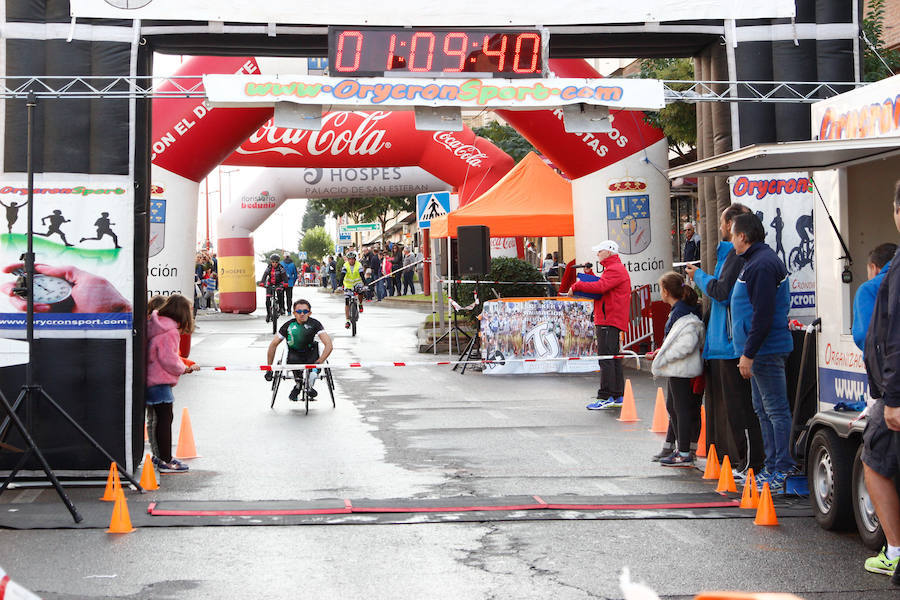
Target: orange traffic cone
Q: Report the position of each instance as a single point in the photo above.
(660, 414)
(121, 520)
(186, 447)
(113, 483)
(726, 477)
(712, 464)
(701, 441)
(629, 410)
(148, 475)
(765, 513)
(750, 497)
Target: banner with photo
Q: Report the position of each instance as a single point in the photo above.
(542, 328)
(84, 252)
(784, 203)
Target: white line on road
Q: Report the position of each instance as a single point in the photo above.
(496, 414)
(561, 457)
(528, 434)
(197, 339)
(26, 496)
(236, 342)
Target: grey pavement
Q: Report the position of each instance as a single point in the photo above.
(418, 432)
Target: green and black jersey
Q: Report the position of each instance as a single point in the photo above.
(301, 337)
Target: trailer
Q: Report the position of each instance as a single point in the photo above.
(853, 163)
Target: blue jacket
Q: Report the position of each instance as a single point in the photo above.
(760, 302)
(863, 305)
(883, 340)
(291, 269)
(718, 286)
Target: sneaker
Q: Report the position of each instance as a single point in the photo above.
(600, 404)
(881, 564)
(173, 466)
(661, 454)
(677, 459)
(361, 308)
(312, 393)
(294, 393)
(347, 325)
(762, 477)
(776, 482)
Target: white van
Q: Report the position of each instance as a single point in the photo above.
(854, 162)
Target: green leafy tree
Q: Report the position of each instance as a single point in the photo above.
(312, 218)
(506, 138)
(264, 256)
(340, 207)
(317, 243)
(503, 269)
(387, 209)
(678, 120)
(878, 61)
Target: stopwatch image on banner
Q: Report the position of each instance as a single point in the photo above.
(83, 245)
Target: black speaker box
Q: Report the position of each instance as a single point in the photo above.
(474, 249)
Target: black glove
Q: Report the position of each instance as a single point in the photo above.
(269, 375)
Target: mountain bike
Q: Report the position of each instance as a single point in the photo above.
(356, 296)
(273, 307)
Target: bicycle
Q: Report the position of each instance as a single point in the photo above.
(300, 378)
(273, 307)
(801, 256)
(356, 296)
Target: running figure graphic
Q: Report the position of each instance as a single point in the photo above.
(102, 224)
(56, 219)
(778, 224)
(12, 213)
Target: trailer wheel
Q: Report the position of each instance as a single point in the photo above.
(867, 524)
(830, 480)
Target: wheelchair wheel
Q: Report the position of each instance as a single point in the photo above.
(276, 382)
(304, 381)
(330, 381)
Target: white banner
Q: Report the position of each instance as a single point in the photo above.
(414, 12)
(83, 244)
(784, 203)
(375, 92)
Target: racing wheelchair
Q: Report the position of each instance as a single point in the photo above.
(301, 379)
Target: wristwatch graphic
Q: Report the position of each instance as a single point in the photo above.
(53, 291)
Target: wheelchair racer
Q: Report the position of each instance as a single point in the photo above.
(351, 276)
(302, 334)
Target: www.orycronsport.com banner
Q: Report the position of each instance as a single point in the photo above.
(538, 328)
(83, 245)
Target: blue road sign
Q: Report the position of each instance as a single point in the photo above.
(431, 205)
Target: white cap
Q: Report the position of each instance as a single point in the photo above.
(688, 224)
(609, 245)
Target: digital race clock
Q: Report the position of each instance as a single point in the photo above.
(377, 51)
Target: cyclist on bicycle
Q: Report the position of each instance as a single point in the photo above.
(351, 275)
(804, 223)
(276, 276)
(303, 334)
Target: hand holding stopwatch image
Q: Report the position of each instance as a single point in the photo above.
(64, 289)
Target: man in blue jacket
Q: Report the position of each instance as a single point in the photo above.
(881, 438)
(864, 301)
(291, 269)
(730, 422)
(760, 302)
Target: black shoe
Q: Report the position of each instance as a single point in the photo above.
(293, 395)
(662, 454)
(312, 393)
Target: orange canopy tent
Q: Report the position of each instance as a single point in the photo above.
(531, 200)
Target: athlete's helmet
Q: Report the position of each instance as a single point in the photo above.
(274, 258)
(351, 255)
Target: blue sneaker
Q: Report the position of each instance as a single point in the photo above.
(605, 404)
(762, 477)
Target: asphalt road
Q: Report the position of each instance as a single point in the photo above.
(413, 433)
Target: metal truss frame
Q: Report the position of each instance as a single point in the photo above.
(126, 87)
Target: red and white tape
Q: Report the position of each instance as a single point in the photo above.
(10, 590)
(423, 363)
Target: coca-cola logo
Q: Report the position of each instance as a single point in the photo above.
(351, 133)
(468, 153)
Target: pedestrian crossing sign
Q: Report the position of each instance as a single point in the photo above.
(431, 205)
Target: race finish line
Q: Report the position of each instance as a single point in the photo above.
(424, 363)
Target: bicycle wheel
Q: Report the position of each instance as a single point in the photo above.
(276, 383)
(354, 316)
(330, 381)
(795, 261)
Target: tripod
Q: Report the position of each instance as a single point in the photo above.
(473, 347)
(455, 330)
(31, 391)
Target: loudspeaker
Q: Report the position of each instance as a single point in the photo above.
(474, 249)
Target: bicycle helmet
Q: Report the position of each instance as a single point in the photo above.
(351, 255)
(274, 258)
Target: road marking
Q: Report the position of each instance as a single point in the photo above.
(197, 339)
(496, 414)
(26, 496)
(235, 342)
(561, 457)
(528, 434)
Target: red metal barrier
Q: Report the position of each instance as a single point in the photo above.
(640, 320)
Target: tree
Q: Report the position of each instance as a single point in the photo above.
(340, 207)
(878, 62)
(506, 138)
(313, 217)
(317, 243)
(383, 209)
(679, 119)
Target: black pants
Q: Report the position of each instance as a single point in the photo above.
(396, 278)
(737, 430)
(612, 380)
(408, 282)
(163, 429)
(289, 297)
(683, 406)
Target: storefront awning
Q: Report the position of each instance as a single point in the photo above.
(791, 156)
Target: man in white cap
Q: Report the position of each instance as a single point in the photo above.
(691, 243)
(612, 292)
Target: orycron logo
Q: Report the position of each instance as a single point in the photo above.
(129, 4)
(312, 176)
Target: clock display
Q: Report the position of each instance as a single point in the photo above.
(438, 52)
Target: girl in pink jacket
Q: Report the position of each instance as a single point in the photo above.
(164, 367)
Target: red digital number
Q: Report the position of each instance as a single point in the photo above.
(391, 49)
(536, 52)
(413, 47)
(461, 53)
(500, 54)
(340, 51)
